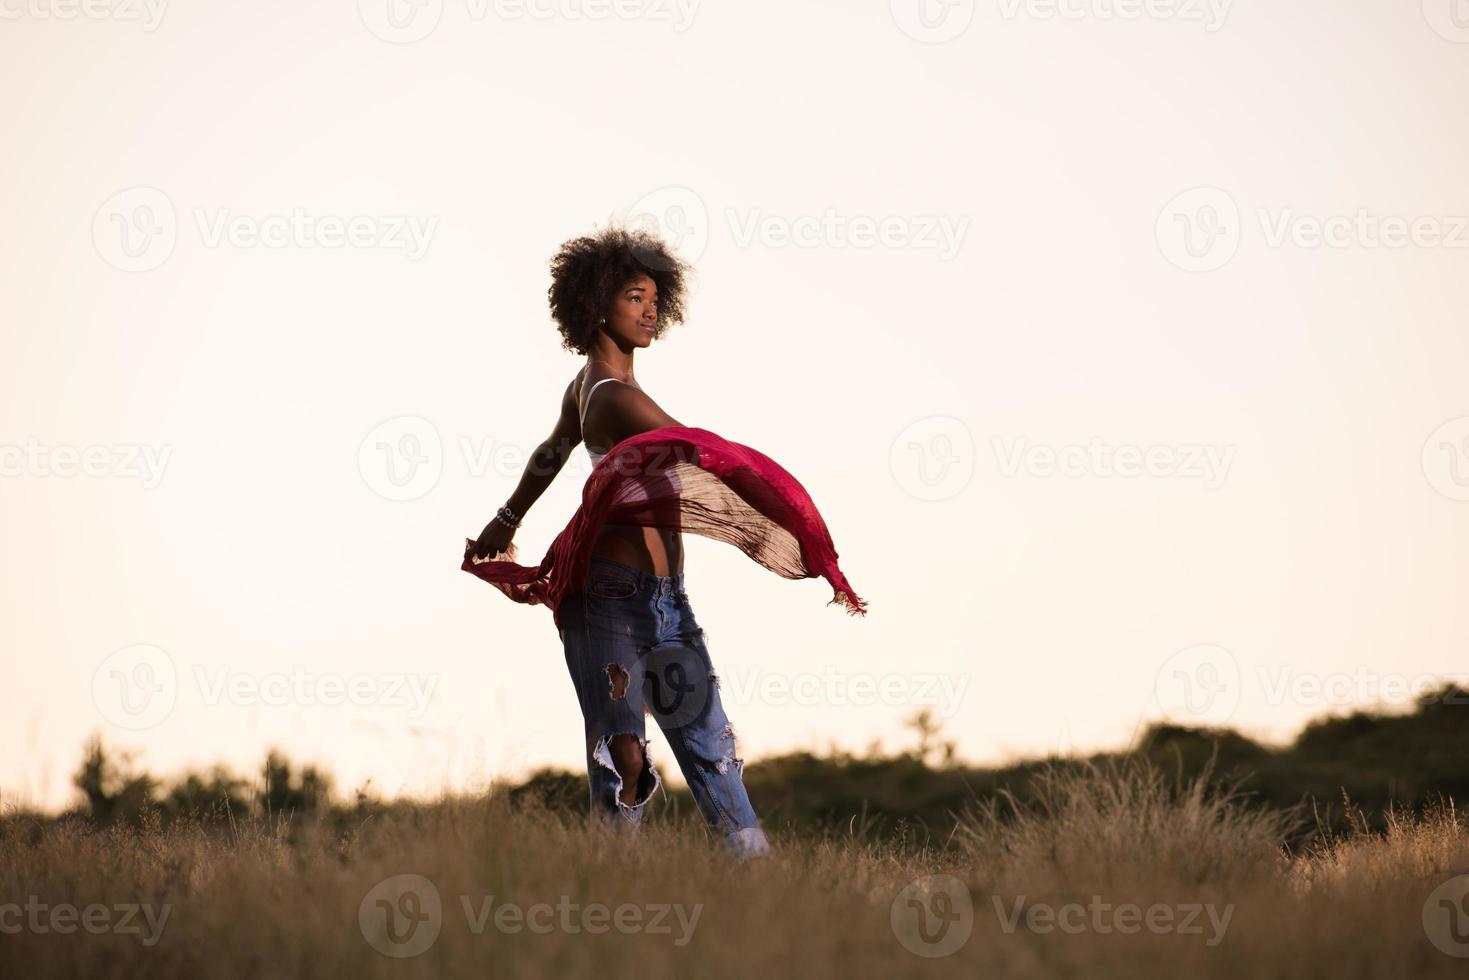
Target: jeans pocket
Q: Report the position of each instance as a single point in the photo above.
(611, 587)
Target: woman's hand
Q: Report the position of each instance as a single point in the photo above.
(493, 540)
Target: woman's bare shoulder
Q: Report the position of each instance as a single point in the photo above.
(572, 395)
(629, 408)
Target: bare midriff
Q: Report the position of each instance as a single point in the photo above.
(653, 549)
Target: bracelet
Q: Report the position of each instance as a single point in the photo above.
(507, 517)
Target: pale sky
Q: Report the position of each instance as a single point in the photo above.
(957, 266)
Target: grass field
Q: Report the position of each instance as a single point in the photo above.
(1112, 871)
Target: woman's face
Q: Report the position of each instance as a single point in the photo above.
(634, 315)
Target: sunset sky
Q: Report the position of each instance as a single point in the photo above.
(1123, 354)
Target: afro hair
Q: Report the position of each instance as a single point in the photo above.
(588, 272)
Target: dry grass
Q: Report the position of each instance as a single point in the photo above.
(283, 900)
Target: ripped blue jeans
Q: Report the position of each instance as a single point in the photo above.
(633, 647)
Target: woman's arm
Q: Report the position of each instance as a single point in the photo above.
(546, 460)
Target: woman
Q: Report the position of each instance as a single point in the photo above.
(614, 577)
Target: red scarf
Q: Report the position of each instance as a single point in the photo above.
(690, 480)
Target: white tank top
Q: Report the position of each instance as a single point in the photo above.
(596, 456)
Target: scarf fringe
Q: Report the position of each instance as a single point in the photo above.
(854, 604)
